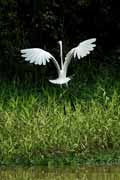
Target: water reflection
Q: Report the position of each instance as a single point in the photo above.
(83, 173)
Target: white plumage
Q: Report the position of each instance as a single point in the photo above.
(42, 57)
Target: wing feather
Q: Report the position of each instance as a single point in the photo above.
(38, 56)
(83, 49)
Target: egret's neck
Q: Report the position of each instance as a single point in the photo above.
(61, 53)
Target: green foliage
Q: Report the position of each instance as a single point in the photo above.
(46, 124)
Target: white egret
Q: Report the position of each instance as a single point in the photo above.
(41, 57)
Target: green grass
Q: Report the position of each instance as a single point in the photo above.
(45, 124)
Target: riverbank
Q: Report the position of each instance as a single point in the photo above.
(47, 125)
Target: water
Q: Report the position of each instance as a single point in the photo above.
(82, 173)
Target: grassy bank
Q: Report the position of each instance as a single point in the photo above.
(45, 124)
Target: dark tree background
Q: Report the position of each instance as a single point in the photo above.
(41, 23)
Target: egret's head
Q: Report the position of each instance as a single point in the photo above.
(60, 42)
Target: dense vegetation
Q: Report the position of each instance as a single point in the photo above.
(49, 125)
(44, 124)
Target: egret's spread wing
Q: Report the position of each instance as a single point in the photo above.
(38, 56)
(83, 49)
